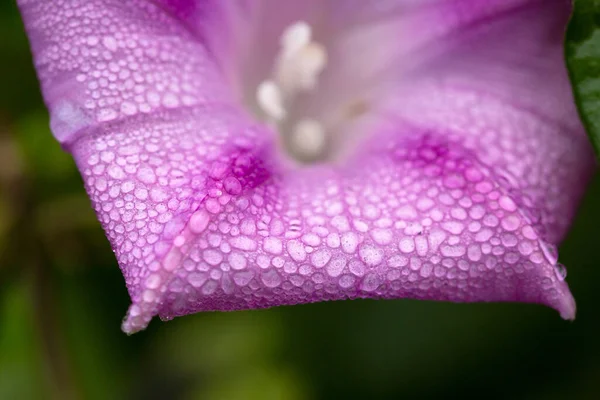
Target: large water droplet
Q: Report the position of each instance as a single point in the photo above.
(561, 271)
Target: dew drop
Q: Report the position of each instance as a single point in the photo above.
(561, 271)
(110, 43)
(116, 172)
(153, 281)
(511, 222)
(243, 278)
(197, 279)
(209, 287)
(296, 250)
(199, 221)
(371, 255)
(346, 281)
(212, 257)
(237, 261)
(273, 245)
(232, 185)
(370, 283)
(243, 243)
(271, 278)
(349, 242)
(336, 267)
(320, 258)
(106, 114)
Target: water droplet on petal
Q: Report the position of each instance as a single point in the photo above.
(561, 271)
(199, 221)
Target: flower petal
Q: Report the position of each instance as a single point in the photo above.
(103, 60)
(459, 192)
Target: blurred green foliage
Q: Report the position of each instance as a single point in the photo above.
(62, 298)
(582, 52)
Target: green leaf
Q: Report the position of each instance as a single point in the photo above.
(582, 50)
(22, 373)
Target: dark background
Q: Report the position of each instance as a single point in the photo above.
(62, 298)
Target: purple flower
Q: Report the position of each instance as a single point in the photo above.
(248, 154)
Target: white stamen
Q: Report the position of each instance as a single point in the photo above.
(297, 68)
(312, 62)
(308, 140)
(270, 100)
(295, 37)
(300, 71)
(300, 60)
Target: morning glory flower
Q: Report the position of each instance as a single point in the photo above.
(249, 154)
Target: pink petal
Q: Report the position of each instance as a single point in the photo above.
(467, 180)
(100, 61)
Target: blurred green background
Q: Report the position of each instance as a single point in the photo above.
(62, 298)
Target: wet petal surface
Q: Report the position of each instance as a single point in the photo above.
(467, 178)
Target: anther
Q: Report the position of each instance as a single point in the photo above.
(270, 101)
(308, 139)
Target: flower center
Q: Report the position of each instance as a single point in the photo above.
(298, 64)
